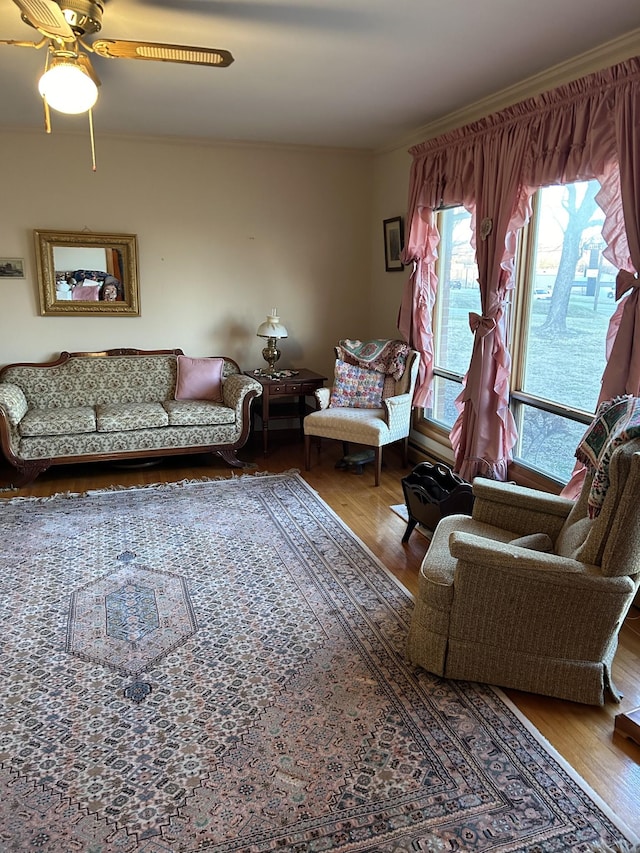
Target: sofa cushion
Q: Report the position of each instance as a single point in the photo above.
(117, 417)
(198, 413)
(199, 379)
(68, 421)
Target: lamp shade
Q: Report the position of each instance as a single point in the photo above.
(67, 88)
(272, 327)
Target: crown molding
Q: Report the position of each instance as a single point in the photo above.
(598, 58)
(195, 141)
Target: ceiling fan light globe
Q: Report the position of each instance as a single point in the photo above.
(68, 89)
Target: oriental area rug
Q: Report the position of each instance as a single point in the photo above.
(219, 665)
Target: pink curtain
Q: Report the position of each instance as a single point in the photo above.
(622, 374)
(420, 253)
(434, 180)
(619, 197)
(577, 132)
(414, 323)
(484, 432)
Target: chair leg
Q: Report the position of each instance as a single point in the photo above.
(405, 451)
(378, 464)
(345, 448)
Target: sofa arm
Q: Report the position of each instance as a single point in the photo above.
(13, 402)
(234, 390)
(519, 508)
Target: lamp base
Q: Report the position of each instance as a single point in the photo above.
(271, 354)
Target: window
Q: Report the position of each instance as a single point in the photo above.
(565, 308)
(563, 301)
(458, 294)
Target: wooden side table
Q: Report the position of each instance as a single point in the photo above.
(301, 384)
(628, 725)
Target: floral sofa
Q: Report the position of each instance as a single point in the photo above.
(122, 404)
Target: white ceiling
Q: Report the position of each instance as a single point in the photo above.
(353, 73)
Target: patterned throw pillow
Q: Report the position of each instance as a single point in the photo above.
(356, 387)
(199, 379)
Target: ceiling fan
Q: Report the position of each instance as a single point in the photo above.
(69, 83)
(64, 24)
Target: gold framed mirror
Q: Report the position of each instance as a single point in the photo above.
(83, 272)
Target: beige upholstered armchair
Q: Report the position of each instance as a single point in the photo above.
(530, 592)
(387, 422)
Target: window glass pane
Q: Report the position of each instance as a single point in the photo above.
(458, 292)
(547, 442)
(444, 410)
(572, 298)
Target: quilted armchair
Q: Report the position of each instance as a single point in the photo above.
(387, 422)
(530, 591)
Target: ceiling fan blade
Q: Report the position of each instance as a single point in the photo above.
(158, 52)
(87, 67)
(47, 17)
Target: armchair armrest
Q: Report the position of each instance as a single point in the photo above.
(471, 548)
(519, 508)
(523, 566)
(398, 414)
(533, 603)
(323, 395)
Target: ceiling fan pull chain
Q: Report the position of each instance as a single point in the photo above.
(47, 116)
(47, 111)
(93, 142)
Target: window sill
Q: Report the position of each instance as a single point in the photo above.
(430, 442)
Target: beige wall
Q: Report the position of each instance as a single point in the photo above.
(390, 188)
(225, 233)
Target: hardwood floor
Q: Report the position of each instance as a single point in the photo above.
(583, 735)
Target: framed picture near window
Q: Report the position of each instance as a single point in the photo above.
(393, 240)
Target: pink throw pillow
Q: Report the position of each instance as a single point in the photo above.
(199, 379)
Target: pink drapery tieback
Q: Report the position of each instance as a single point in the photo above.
(482, 324)
(625, 281)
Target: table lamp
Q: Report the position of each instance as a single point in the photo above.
(272, 329)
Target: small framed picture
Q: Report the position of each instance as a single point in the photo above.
(11, 268)
(393, 239)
